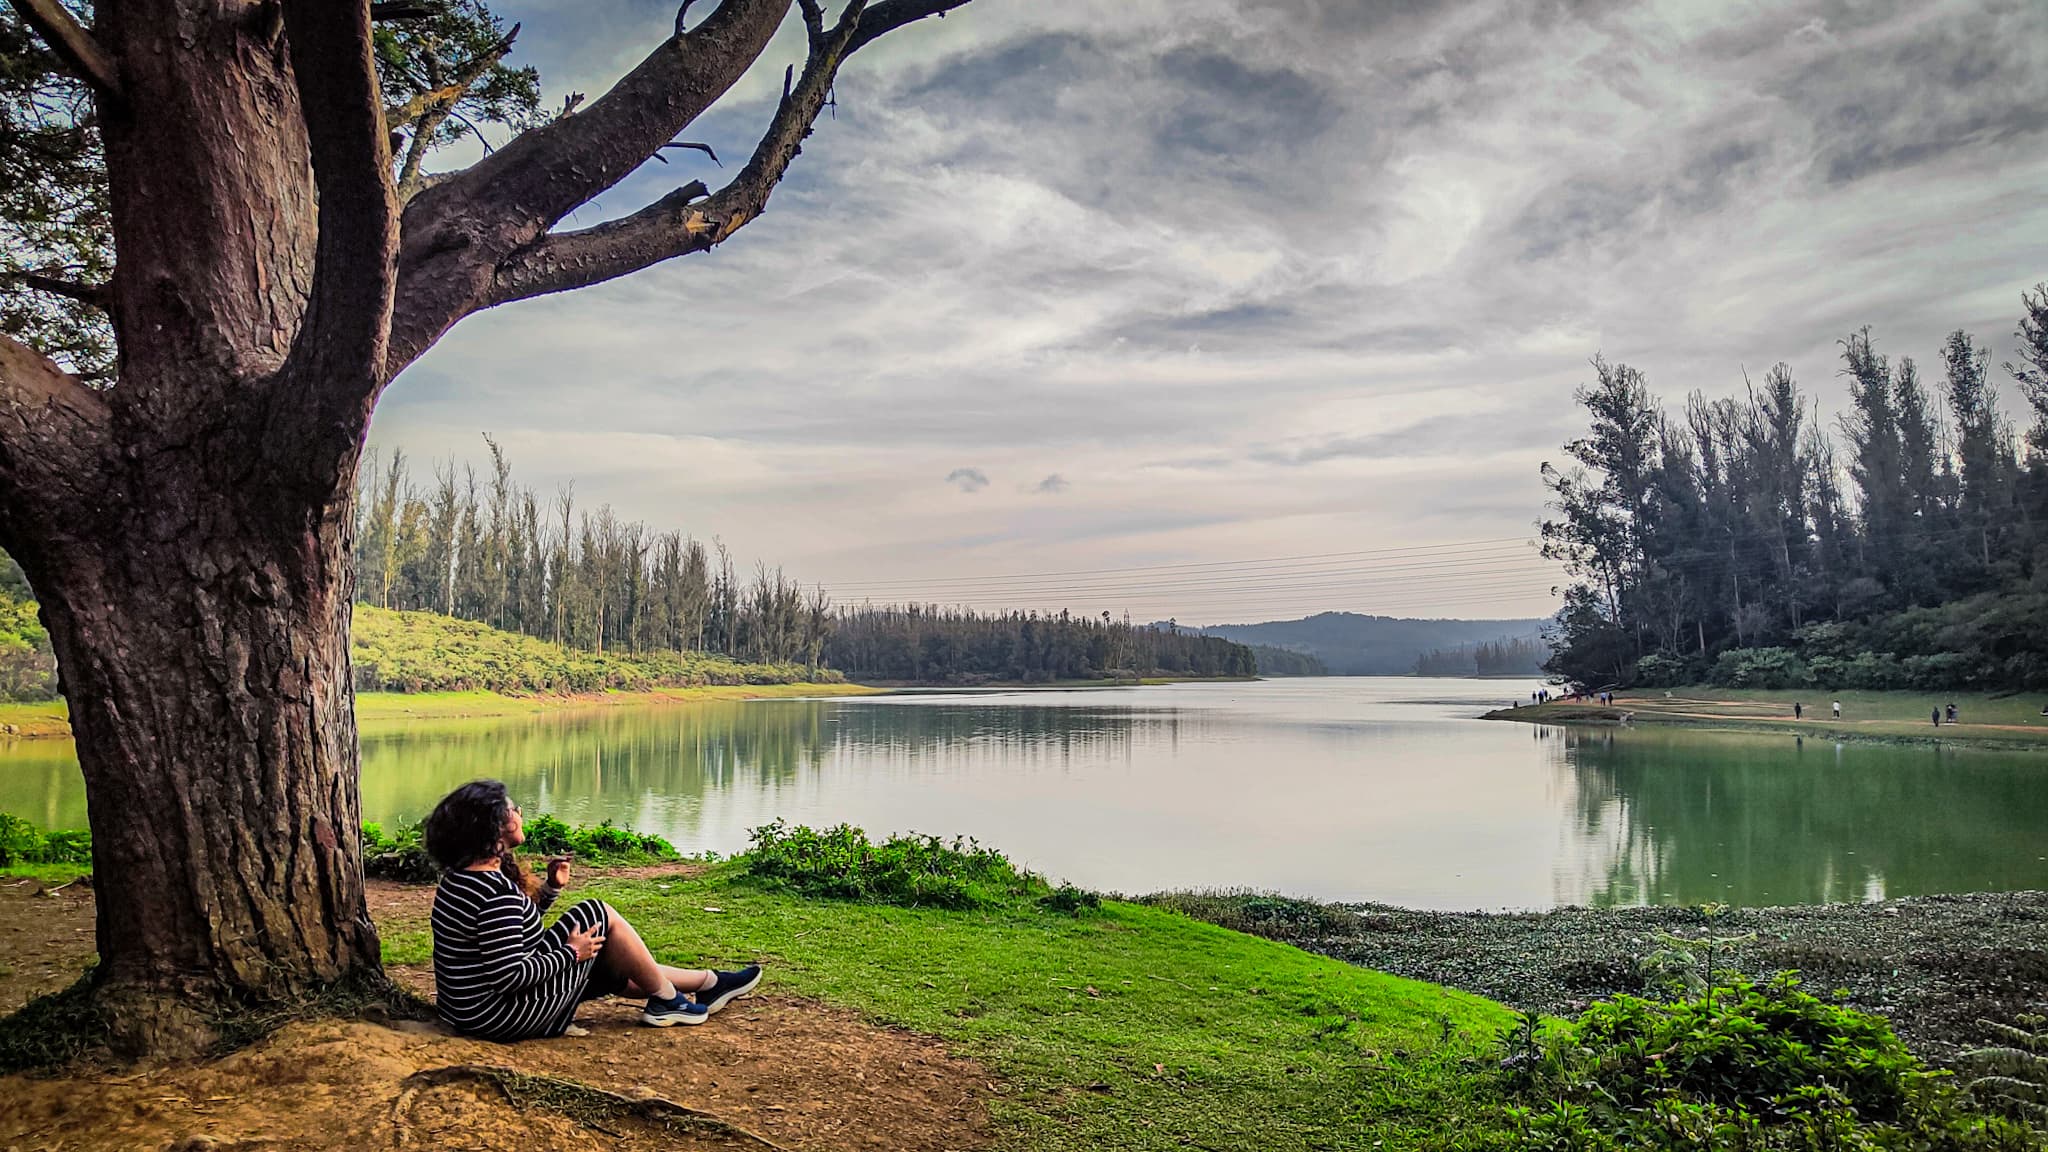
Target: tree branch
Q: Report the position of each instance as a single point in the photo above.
(53, 434)
(457, 232)
(549, 171)
(890, 15)
(338, 353)
(98, 295)
(679, 224)
(72, 44)
(395, 10)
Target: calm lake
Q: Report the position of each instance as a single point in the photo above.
(1382, 789)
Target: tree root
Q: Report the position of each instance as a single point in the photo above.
(591, 1107)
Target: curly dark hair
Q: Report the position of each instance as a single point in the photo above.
(468, 825)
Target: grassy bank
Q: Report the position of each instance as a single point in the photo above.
(1983, 719)
(32, 719)
(1125, 1027)
(1088, 1023)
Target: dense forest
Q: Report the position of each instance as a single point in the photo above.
(1275, 661)
(932, 644)
(1745, 542)
(1507, 656)
(491, 550)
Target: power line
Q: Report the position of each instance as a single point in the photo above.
(1306, 578)
(1201, 564)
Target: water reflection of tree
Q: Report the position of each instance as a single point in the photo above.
(919, 731)
(654, 765)
(1661, 817)
(586, 765)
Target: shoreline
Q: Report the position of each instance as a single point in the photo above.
(46, 720)
(1870, 717)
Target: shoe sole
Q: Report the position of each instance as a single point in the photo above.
(743, 990)
(670, 1019)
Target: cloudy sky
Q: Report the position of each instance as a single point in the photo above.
(1197, 289)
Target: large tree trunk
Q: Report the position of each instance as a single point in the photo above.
(204, 643)
(187, 531)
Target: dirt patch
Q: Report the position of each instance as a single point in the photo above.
(46, 938)
(795, 1073)
(789, 1072)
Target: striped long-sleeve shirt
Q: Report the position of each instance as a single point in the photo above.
(497, 973)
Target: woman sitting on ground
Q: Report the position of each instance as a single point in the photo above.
(499, 975)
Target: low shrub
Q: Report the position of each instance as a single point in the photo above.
(913, 870)
(404, 856)
(1068, 900)
(1760, 668)
(23, 843)
(1747, 1065)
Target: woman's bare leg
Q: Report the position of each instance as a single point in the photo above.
(626, 954)
(685, 980)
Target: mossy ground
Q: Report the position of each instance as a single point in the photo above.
(1129, 1027)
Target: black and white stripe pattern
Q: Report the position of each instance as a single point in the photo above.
(497, 973)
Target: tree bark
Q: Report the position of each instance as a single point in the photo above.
(204, 643)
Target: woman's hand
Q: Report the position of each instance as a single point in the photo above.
(586, 942)
(558, 870)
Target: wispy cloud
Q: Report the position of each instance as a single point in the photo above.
(1255, 258)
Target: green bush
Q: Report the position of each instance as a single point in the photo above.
(1662, 670)
(549, 836)
(1760, 668)
(909, 870)
(23, 843)
(1748, 1065)
(1068, 900)
(404, 856)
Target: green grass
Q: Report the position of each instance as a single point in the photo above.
(34, 718)
(47, 873)
(1986, 719)
(1194, 1036)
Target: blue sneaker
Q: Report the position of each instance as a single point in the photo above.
(666, 1013)
(729, 987)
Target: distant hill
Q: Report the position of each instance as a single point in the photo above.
(1354, 645)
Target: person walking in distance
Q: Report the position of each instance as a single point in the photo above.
(1796, 709)
(1838, 709)
(1951, 711)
